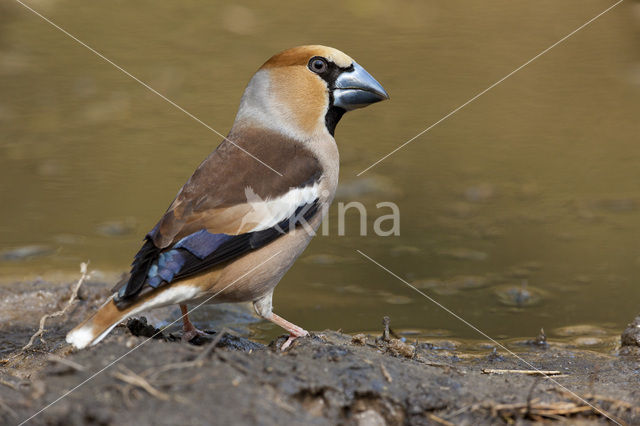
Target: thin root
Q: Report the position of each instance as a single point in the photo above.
(134, 379)
(72, 298)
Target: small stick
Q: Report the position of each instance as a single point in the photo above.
(530, 396)
(385, 373)
(527, 372)
(616, 402)
(205, 353)
(386, 321)
(197, 362)
(72, 298)
(66, 362)
(597, 411)
(134, 379)
(7, 383)
(440, 420)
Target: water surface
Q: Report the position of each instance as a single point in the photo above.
(518, 212)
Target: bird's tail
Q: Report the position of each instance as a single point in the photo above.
(98, 325)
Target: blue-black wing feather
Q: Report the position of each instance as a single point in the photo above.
(198, 252)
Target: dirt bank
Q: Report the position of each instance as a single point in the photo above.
(328, 378)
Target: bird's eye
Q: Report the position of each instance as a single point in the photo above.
(318, 65)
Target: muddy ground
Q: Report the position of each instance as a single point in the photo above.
(328, 378)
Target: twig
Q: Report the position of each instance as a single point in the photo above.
(197, 362)
(126, 390)
(615, 403)
(385, 373)
(205, 353)
(386, 321)
(535, 410)
(72, 298)
(66, 362)
(440, 420)
(527, 372)
(9, 384)
(459, 411)
(136, 380)
(536, 380)
(387, 332)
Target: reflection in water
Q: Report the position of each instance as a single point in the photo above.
(535, 181)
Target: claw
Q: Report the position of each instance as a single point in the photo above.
(190, 331)
(292, 337)
(189, 335)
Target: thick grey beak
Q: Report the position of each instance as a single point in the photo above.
(357, 89)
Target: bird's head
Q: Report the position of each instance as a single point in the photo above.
(304, 91)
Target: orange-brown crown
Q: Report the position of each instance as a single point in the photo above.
(300, 56)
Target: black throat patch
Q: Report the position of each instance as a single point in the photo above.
(334, 113)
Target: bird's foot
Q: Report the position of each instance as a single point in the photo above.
(294, 330)
(189, 331)
(192, 333)
(300, 332)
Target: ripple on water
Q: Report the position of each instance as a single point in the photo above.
(522, 295)
(587, 341)
(463, 254)
(580, 330)
(325, 259)
(354, 289)
(480, 193)
(117, 228)
(399, 251)
(368, 186)
(25, 252)
(453, 285)
(398, 300)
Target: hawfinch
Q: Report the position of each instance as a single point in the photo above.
(252, 206)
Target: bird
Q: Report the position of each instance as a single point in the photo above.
(253, 205)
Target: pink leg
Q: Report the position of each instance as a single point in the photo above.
(264, 308)
(189, 330)
(294, 330)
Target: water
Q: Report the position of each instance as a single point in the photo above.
(518, 212)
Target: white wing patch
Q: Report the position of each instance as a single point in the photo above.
(267, 213)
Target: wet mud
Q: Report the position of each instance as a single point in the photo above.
(151, 377)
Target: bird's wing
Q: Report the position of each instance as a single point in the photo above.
(231, 205)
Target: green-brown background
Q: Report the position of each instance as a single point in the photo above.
(537, 180)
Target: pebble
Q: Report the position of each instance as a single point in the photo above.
(359, 339)
(631, 335)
